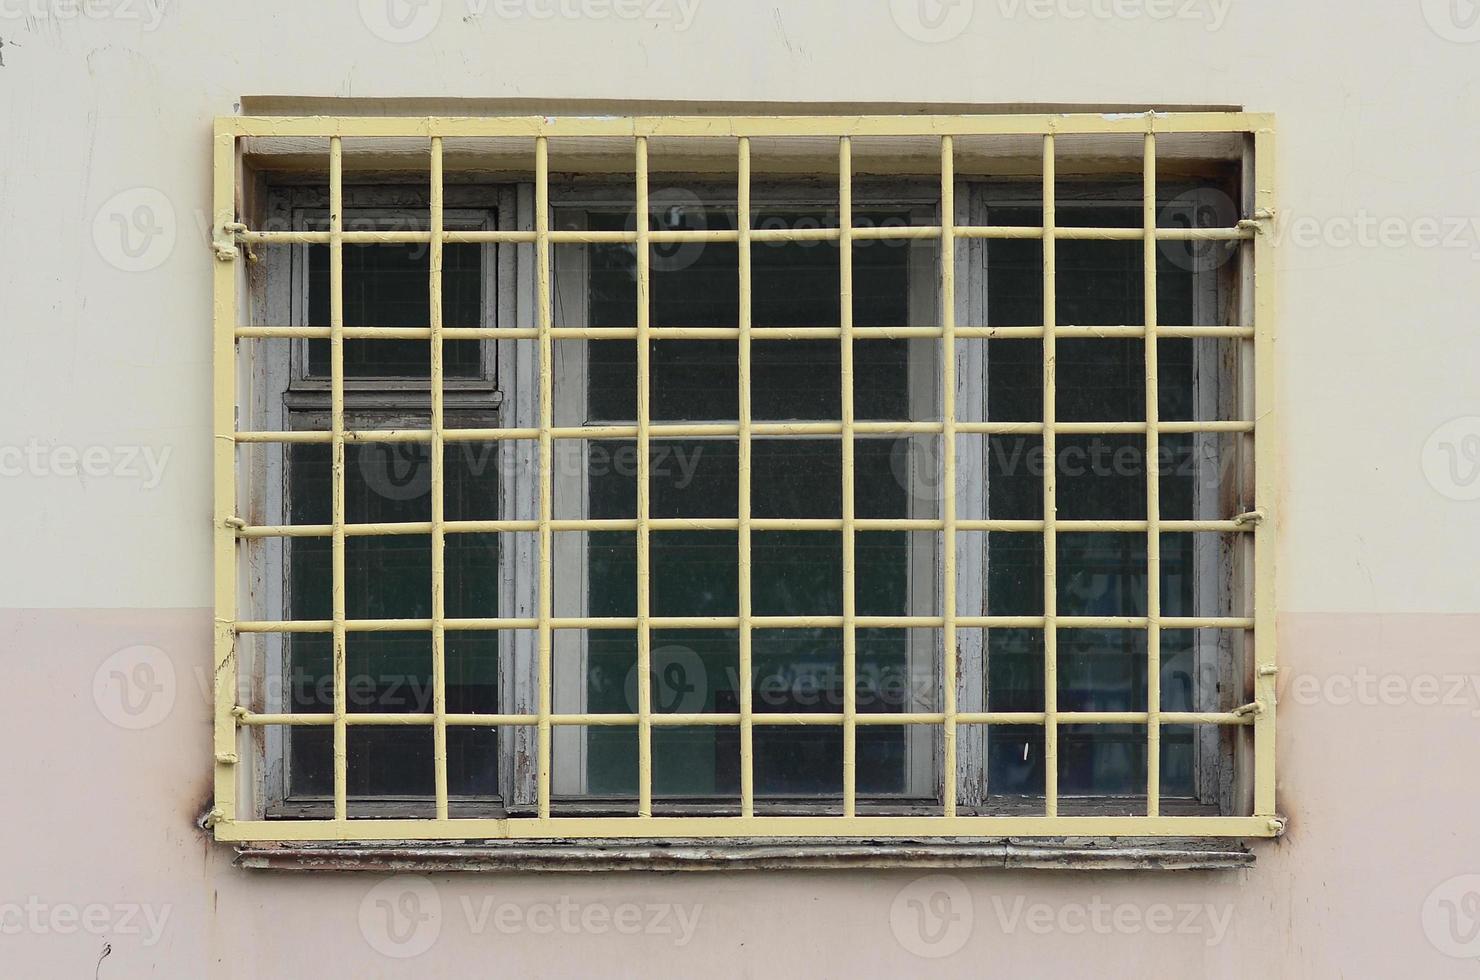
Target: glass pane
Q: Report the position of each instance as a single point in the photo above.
(1099, 477)
(695, 573)
(390, 577)
(793, 284)
(387, 286)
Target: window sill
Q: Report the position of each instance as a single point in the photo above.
(1086, 854)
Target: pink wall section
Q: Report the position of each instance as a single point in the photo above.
(1376, 719)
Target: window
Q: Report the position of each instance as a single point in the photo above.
(744, 477)
(695, 572)
(387, 285)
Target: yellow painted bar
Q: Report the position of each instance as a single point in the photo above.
(733, 333)
(675, 430)
(730, 524)
(438, 490)
(846, 406)
(743, 521)
(336, 430)
(1266, 454)
(545, 641)
(981, 124)
(687, 719)
(1153, 483)
(1050, 496)
(644, 489)
(715, 235)
(223, 467)
(733, 622)
(949, 673)
(556, 828)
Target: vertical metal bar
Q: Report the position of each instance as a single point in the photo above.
(1242, 583)
(1265, 453)
(223, 464)
(547, 467)
(336, 466)
(747, 731)
(850, 562)
(1153, 485)
(1050, 495)
(644, 492)
(438, 452)
(949, 680)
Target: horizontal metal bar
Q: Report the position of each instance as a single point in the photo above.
(1073, 332)
(706, 430)
(1114, 332)
(254, 531)
(732, 236)
(722, 719)
(504, 828)
(733, 622)
(250, 237)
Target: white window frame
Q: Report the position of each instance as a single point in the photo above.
(1216, 391)
(286, 397)
(570, 285)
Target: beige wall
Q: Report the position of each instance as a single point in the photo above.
(105, 105)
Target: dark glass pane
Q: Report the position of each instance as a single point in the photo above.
(1099, 477)
(387, 286)
(792, 284)
(390, 577)
(695, 573)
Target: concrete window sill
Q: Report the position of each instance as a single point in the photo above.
(756, 855)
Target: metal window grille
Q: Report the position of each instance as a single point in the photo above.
(1254, 333)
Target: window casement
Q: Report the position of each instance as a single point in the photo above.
(688, 477)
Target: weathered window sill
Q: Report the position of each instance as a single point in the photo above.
(1090, 854)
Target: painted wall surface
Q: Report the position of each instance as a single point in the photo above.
(105, 108)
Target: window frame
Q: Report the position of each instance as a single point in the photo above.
(1217, 387)
(1255, 309)
(291, 400)
(571, 207)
